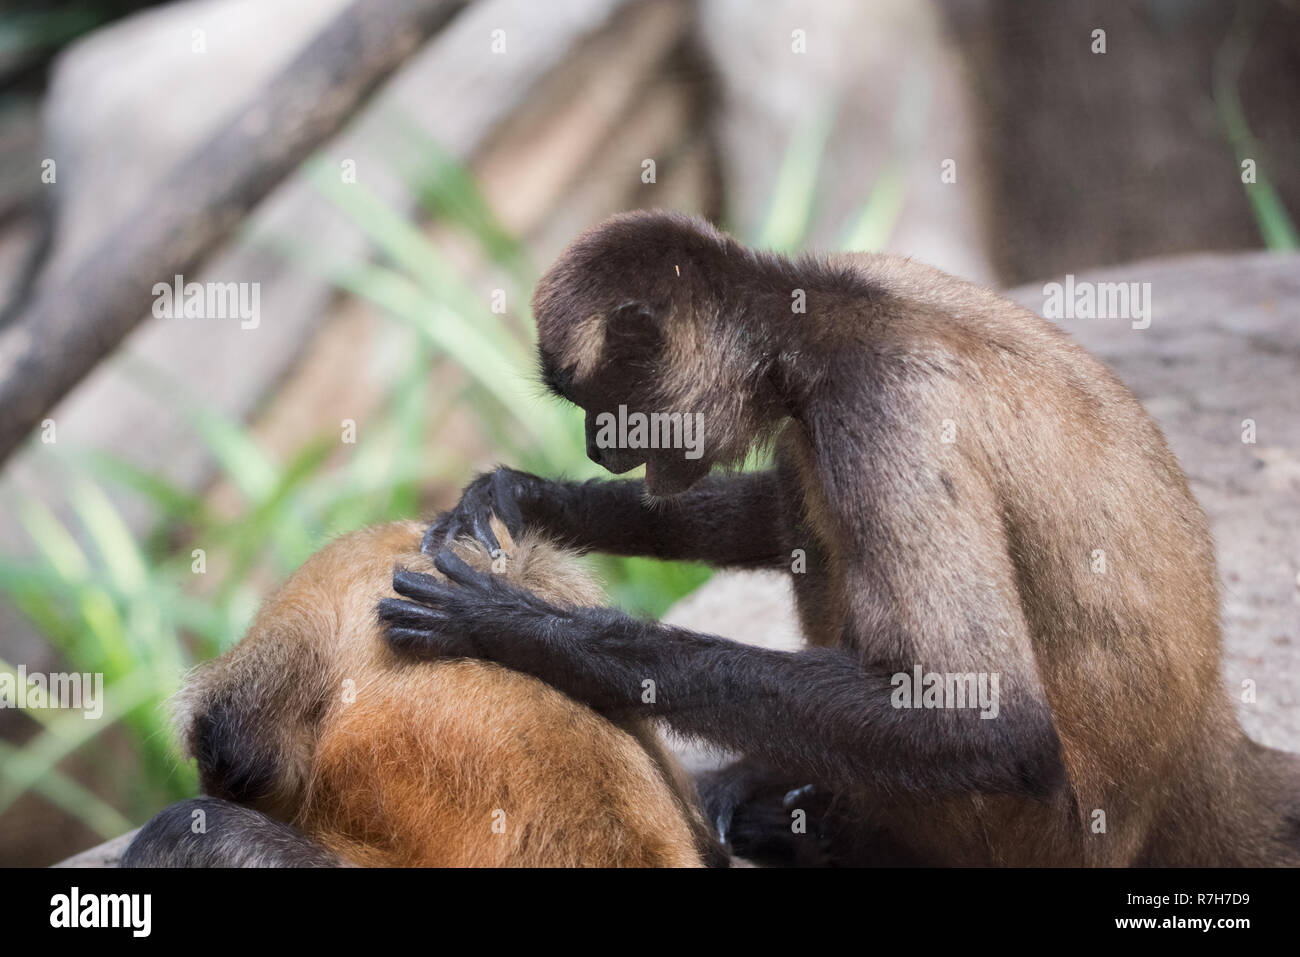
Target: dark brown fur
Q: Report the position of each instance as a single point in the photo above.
(967, 556)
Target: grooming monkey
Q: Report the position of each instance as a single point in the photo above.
(318, 746)
(957, 487)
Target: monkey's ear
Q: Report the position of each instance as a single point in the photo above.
(634, 327)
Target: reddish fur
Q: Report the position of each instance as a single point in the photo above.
(411, 771)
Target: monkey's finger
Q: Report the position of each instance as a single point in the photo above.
(435, 536)
(408, 614)
(454, 567)
(482, 527)
(506, 505)
(452, 527)
(422, 642)
(423, 588)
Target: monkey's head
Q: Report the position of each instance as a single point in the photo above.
(646, 322)
(251, 716)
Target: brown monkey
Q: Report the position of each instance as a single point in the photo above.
(959, 490)
(311, 721)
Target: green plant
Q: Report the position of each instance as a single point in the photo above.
(134, 608)
(1275, 226)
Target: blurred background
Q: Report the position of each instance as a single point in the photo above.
(199, 462)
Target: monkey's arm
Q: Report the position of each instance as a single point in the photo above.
(820, 713)
(231, 835)
(727, 521)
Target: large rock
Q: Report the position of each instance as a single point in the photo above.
(128, 102)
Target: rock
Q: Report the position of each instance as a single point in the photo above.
(126, 104)
(108, 854)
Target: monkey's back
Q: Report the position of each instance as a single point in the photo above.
(463, 763)
(1112, 555)
(392, 762)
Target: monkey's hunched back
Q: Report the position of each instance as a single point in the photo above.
(313, 721)
(1113, 565)
(974, 493)
(1048, 462)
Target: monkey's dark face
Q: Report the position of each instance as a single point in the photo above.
(627, 426)
(620, 321)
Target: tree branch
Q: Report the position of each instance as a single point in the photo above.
(65, 332)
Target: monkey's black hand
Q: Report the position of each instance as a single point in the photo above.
(499, 491)
(470, 615)
(759, 816)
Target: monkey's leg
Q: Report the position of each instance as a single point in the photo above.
(823, 714)
(231, 835)
(728, 521)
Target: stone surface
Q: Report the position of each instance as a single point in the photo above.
(127, 103)
(107, 854)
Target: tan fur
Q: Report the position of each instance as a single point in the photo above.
(392, 762)
(916, 535)
(1129, 662)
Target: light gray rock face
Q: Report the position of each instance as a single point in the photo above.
(128, 102)
(108, 854)
(1223, 346)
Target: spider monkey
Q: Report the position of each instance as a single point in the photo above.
(958, 490)
(317, 746)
